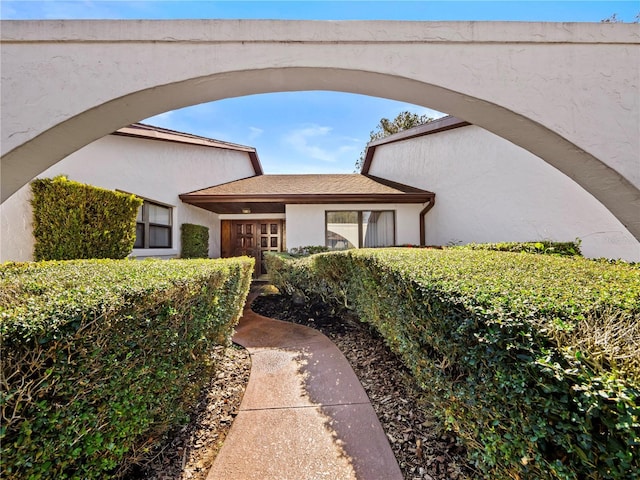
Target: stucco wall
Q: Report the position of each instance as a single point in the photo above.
(567, 92)
(155, 170)
(306, 223)
(489, 190)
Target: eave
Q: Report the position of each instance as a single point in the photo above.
(150, 132)
(276, 204)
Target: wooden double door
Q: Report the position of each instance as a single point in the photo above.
(252, 238)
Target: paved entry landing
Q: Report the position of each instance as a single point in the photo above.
(304, 415)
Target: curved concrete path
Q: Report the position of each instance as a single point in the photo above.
(304, 414)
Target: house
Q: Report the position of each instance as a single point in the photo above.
(270, 212)
(153, 163)
(487, 189)
(186, 178)
(490, 190)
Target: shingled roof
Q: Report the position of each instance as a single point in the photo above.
(270, 193)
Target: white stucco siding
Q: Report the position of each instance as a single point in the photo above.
(155, 170)
(567, 92)
(490, 190)
(306, 223)
(16, 234)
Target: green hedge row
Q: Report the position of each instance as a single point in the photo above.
(532, 360)
(72, 220)
(307, 250)
(101, 358)
(545, 247)
(195, 241)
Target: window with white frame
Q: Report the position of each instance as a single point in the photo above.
(153, 226)
(359, 228)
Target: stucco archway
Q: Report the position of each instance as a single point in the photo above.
(566, 92)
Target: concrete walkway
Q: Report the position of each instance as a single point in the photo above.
(304, 415)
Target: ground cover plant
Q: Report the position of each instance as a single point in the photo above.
(531, 359)
(101, 357)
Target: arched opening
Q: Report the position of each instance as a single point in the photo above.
(33, 156)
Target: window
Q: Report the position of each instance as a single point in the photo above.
(352, 229)
(153, 226)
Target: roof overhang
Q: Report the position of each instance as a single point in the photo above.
(150, 132)
(276, 204)
(271, 193)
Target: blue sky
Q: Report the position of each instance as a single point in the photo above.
(308, 132)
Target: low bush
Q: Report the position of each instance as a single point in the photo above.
(195, 241)
(308, 250)
(532, 360)
(295, 276)
(545, 247)
(72, 220)
(101, 358)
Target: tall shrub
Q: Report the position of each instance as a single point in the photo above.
(195, 241)
(72, 220)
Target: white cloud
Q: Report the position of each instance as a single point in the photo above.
(315, 142)
(69, 9)
(7, 12)
(161, 120)
(255, 132)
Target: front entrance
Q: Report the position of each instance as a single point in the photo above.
(251, 238)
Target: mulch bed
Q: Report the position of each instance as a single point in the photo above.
(189, 452)
(423, 451)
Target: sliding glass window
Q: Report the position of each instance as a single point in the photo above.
(359, 228)
(378, 229)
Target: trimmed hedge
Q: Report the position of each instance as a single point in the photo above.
(307, 250)
(102, 357)
(532, 360)
(195, 241)
(72, 220)
(545, 247)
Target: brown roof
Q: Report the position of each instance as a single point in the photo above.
(270, 193)
(150, 132)
(439, 125)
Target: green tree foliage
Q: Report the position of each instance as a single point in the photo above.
(403, 121)
(615, 19)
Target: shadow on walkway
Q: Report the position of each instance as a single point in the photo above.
(304, 414)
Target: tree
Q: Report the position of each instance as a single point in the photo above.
(611, 19)
(403, 121)
(615, 19)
